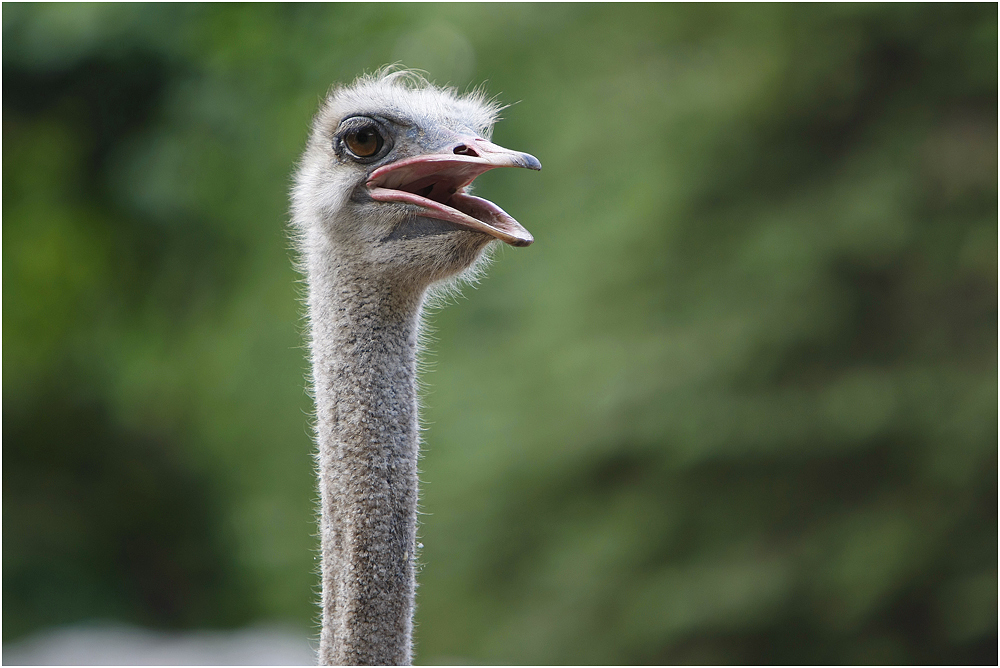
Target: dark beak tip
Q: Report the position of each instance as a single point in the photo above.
(531, 162)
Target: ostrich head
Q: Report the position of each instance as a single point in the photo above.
(386, 173)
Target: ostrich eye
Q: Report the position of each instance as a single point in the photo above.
(364, 142)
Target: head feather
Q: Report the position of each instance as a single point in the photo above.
(407, 93)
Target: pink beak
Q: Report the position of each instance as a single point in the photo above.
(435, 183)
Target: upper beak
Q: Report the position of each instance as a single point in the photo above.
(498, 156)
(436, 182)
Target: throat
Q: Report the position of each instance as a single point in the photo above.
(414, 227)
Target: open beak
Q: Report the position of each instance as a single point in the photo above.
(436, 183)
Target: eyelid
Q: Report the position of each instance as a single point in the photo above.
(360, 120)
(356, 122)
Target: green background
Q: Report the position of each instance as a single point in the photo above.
(737, 404)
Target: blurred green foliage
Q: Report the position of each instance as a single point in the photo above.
(738, 404)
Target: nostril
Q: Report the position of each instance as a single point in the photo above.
(464, 149)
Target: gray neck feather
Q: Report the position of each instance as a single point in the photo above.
(364, 341)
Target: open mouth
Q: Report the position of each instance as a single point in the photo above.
(436, 184)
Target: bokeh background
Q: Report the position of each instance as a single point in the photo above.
(738, 403)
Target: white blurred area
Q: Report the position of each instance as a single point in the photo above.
(107, 644)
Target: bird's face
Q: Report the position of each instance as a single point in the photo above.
(387, 173)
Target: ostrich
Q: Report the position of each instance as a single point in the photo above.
(381, 212)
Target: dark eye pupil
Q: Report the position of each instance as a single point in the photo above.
(364, 142)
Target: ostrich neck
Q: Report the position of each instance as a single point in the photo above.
(364, 356)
